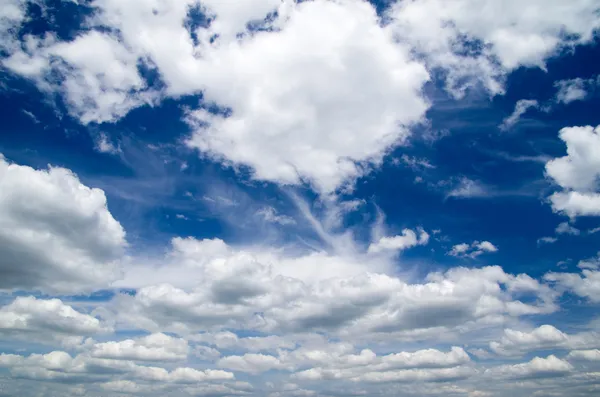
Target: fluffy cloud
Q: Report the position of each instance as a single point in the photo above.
(585, 355)
(290, 124)
(472, 250)
(545, 337)
(586, 284)
(155, 347)
(577, 172)
(538, 367)
(56, 234)
(478, 42)
(247, 289)
(47, 321)
(60, 366)
(575, 89)
(407, 240)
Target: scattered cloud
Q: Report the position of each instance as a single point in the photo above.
(522, 107)
(472, 250)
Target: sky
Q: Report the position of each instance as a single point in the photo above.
(288, 198)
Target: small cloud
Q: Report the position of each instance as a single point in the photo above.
(180, 216)
(31, 116)
(570, 90)
(472, 250)
(468, 188)
(594, 230)
(269, 214)
(407, 239)
(566, 228)
(521, 108)
(414, 163)
(546, 240)
(104, 145)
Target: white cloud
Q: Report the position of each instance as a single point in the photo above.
(291, 124)
(269, 214)
(577, 173)
(546, 240)
(251, 363)
(584, 355)
(47, 321)
(478, 42)
(104, 145)
(98, 75)
(586, 284)
(407, 239)
(570, 91)
(56, 234)
(467, 188)
(60, 366)
(155, 347)
(223, 287)
(575, 89)
(566, 228)
(538, 367)
(521, 107)
(472, 250)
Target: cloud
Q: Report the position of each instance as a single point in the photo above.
(472, 250)
(269, 214)
(291, 125)
(577, 173)
(584, 355)
(566, 228)
(104, 145)
(468, 188)
(478, 42)
(585, 285)
(56, 234)
(574, 89)
(546, 240)
(227, 288)
(60, 366)
(155, 347)
(47, 321)
(521, 108)
(408, 239)
(538, 367)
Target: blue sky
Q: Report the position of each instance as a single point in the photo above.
(316, 198)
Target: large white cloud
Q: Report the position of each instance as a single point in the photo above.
(545, 337)
(155, 347)
(479, 41)
(56, 234)
(47, 321)
(224, 287)
(577, 173)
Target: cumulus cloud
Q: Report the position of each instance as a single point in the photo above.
(538, 367)
(472, 250)
(577, 173)
(585, 285)
(407, 239)
(61, 366)
(56, 234)
(477, 42)
(47, 321)
(292, 125)
(155, 347)
(234, 289)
